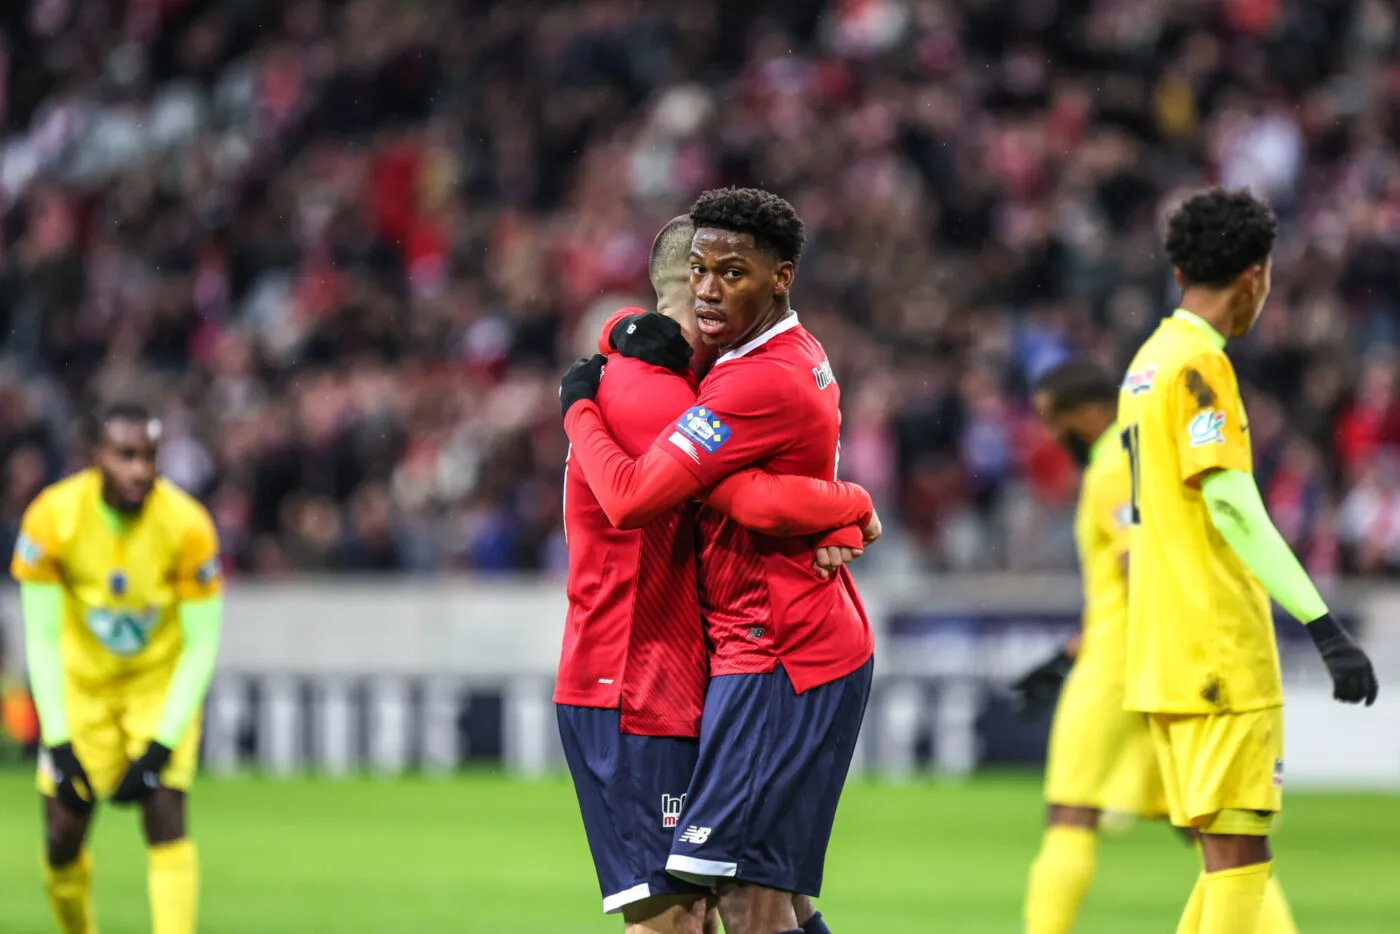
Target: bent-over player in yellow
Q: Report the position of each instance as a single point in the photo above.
(1205, 557)
(121, 596)
(1100, 756)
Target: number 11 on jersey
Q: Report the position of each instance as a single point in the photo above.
(1130, 444)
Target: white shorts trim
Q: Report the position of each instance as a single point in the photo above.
(615, 903)
(700, 871)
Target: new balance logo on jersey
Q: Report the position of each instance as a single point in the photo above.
(671, 806)
(823, 374)
(1278, 773)
(696, 835)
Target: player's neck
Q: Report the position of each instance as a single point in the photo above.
(1212, 309)
(763, 323)
(116, 519)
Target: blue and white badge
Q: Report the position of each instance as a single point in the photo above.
(28, 550)
(703, 427)
(1207, 427)
(208, 572)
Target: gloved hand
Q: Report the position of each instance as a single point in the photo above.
(143, 775)
(71, 785)
(1353, 678)
(580, 381)
(652, 338)
(1035, 692)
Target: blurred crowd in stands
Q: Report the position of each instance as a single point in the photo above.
(346, 248)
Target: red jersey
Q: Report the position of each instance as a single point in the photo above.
(633, 637)
(773, 403)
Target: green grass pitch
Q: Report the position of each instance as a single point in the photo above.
(487, 855)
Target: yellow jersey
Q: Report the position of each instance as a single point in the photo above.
(1200, 627)
(123, 579)
(1101, 523)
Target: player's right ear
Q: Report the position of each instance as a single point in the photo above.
(782, 278)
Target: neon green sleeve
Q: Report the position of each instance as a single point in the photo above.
(200, 622)
(1238, 513)
(42, 607)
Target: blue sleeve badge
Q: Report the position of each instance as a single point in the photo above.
(28, 550)
(704, 428)
(208, 572)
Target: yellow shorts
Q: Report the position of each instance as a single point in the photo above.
(111, 729)
(1101, 755)
(1223, 772)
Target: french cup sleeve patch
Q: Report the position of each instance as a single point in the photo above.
(208, 572)
(200, 571)
(35, 558)
(1207, 427)
(1210, 426)
(28, 551)
(1111, 499)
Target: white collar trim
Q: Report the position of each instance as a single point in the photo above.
(787, 324)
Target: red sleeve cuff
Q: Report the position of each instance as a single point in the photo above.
(851, 536)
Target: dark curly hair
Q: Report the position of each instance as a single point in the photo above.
(1078, 382)
(772, 222)
(1215, 235)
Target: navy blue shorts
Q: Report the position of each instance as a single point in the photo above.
(631, 790)
(772, 764)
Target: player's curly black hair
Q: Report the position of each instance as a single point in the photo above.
(1215, 235)
(772, 222)
(1078, 382)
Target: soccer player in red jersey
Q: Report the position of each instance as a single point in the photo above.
(791, 655)
(633, 669)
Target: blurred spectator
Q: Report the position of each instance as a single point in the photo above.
(346, 246)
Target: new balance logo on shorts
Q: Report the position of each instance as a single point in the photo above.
(696, 835)
(671, 806)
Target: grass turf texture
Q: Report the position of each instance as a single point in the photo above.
(483, 854)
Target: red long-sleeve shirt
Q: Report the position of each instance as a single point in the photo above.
(633, 637)
(771, 403)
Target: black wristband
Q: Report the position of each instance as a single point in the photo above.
(1324, 629)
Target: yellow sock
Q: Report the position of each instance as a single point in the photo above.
(1060, 877)
(174, 887)
(1235, 899)
(1276, 917)
(70, 893)
(1190, 922)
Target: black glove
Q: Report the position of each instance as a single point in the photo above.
(652, 338)
(1035, 692)
(580, 381)
(71, 785)
(143, 776)
(1353, 678)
